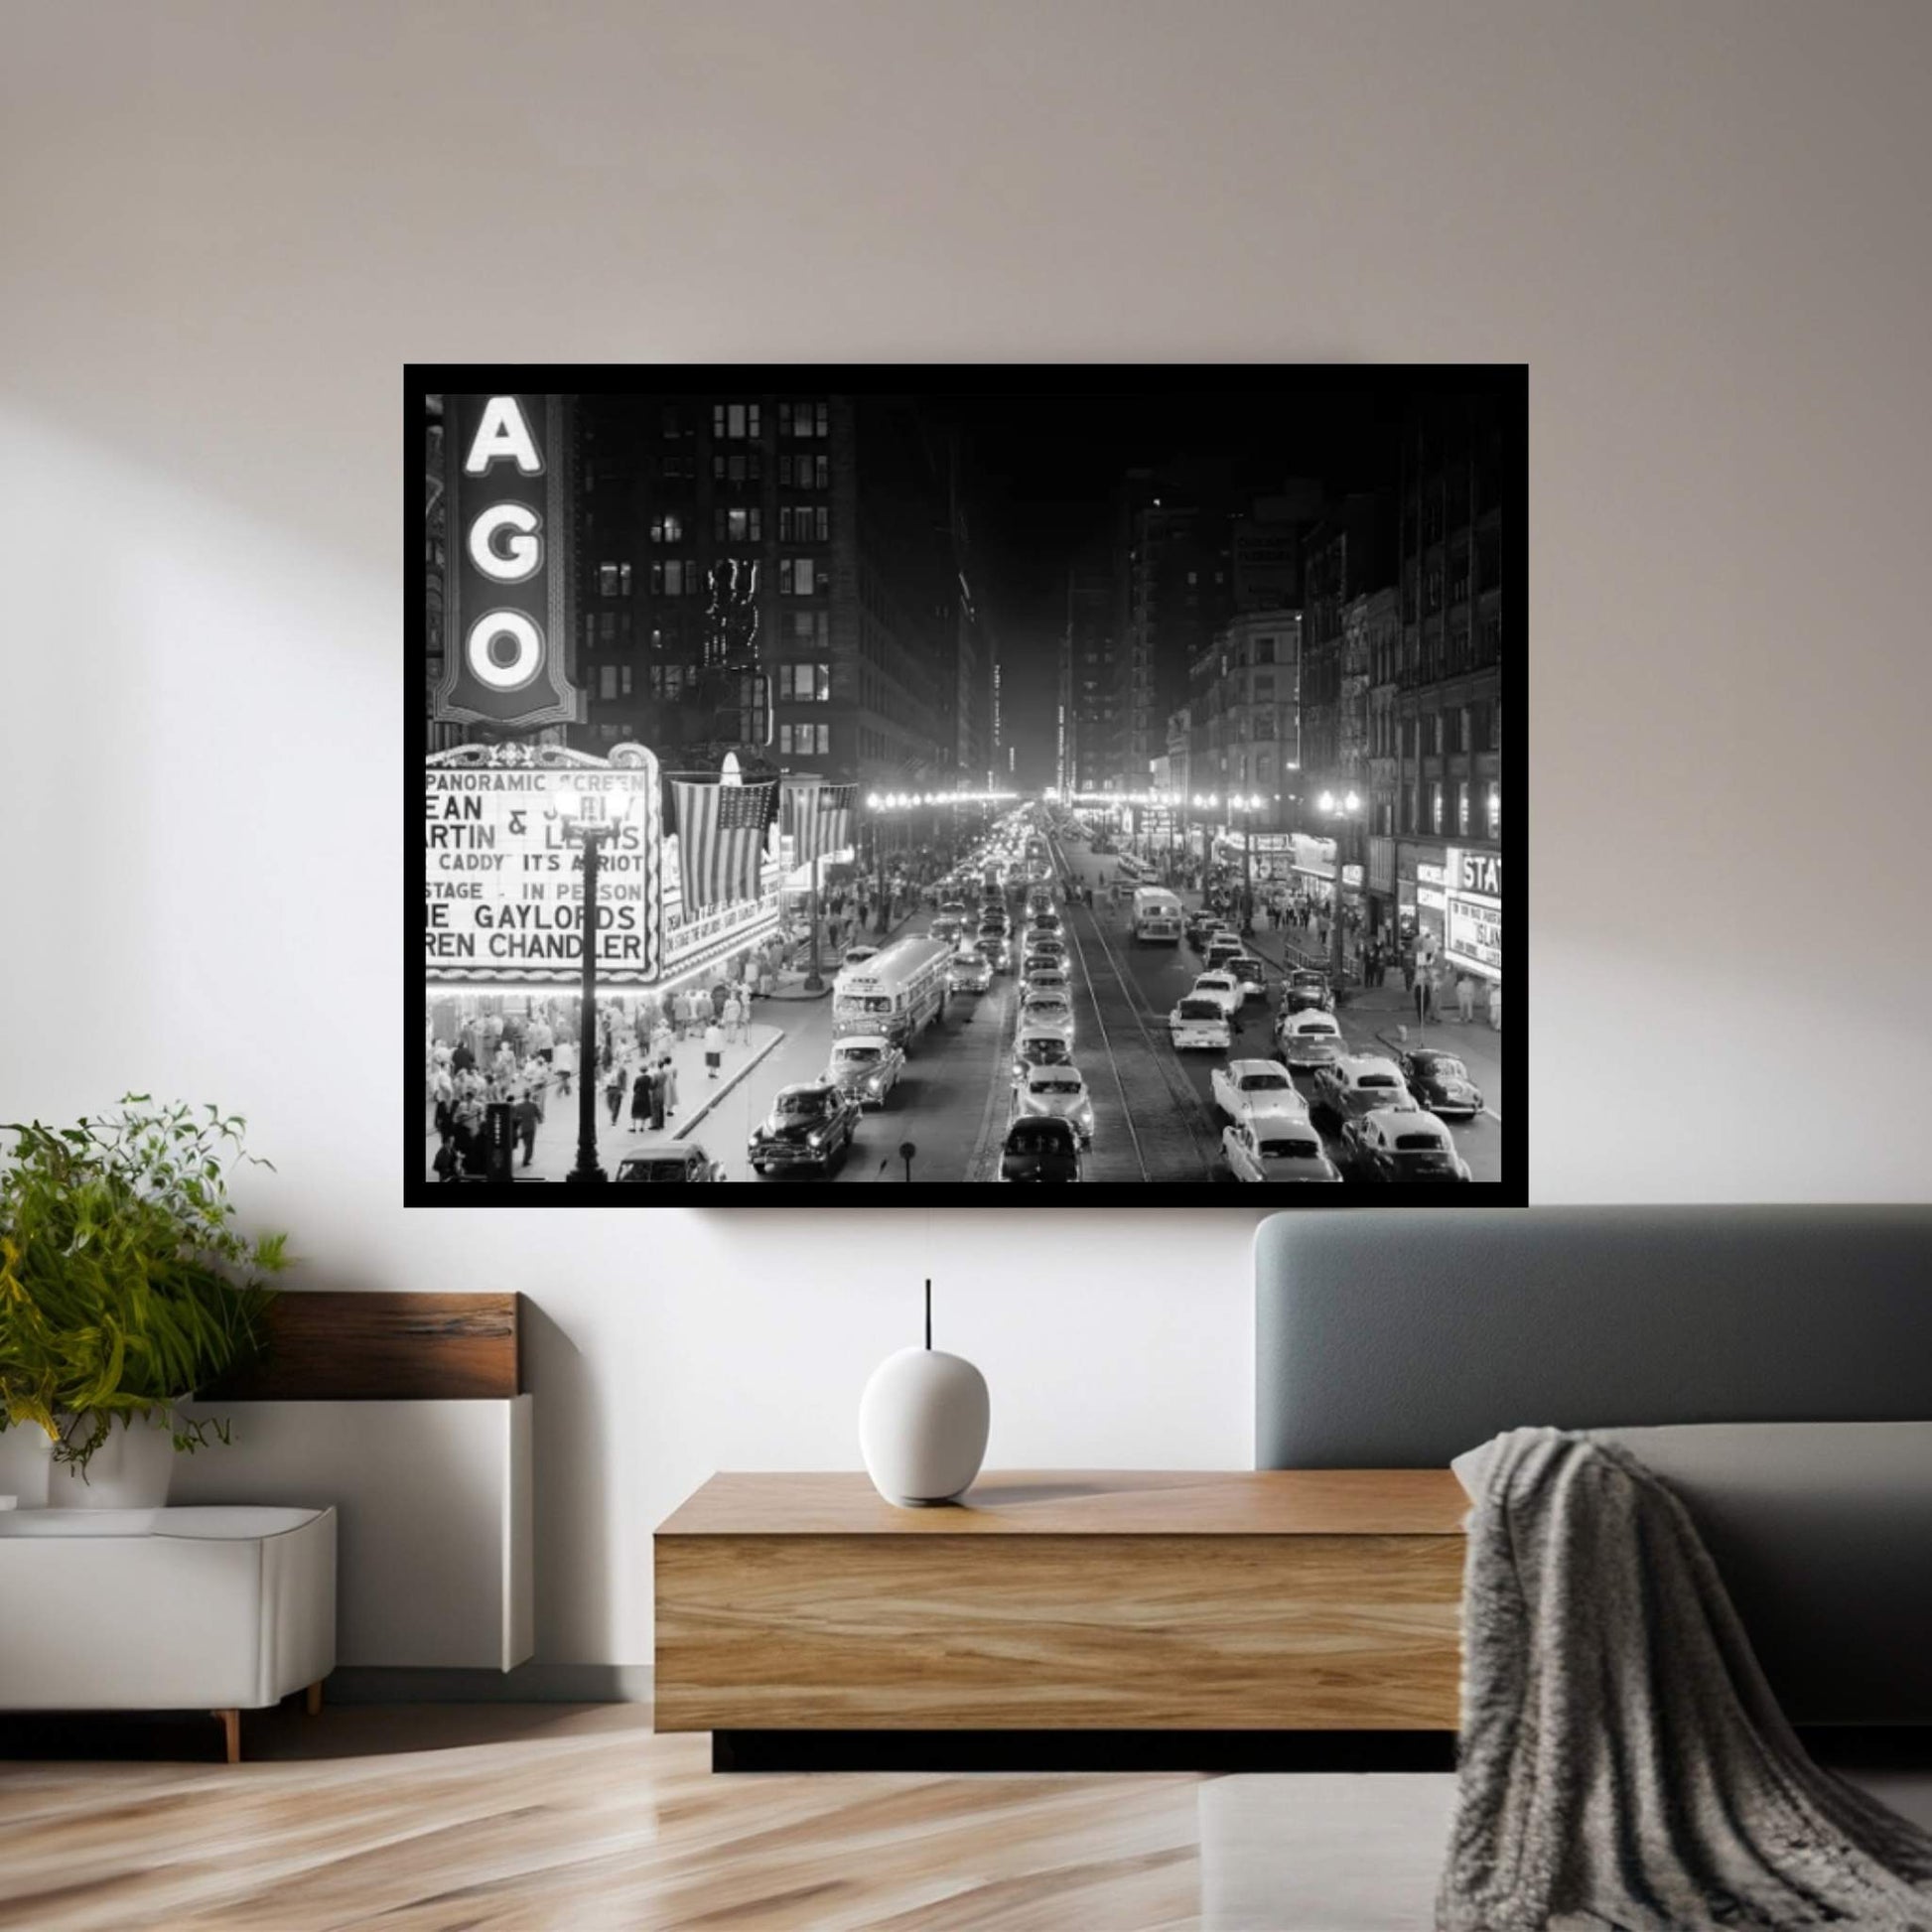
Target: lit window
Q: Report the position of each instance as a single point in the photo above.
(739, 525)
(1435, 807)
(667, 529)
(613, 580)
(1495, 811)
(796, 576)
(607, 681)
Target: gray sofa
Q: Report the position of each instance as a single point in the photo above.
(1774, 1364)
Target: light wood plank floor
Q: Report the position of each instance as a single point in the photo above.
(429, 1819)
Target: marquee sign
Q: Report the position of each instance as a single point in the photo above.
(1473, 912)
(507, 612)
(504, 884)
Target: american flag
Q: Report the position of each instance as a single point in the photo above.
(819, 818)
(721, 839)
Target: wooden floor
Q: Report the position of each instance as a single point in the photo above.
(553, 1816)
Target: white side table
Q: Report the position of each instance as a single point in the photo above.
(223, 1610)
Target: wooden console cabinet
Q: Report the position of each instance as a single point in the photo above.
(1261, 1600)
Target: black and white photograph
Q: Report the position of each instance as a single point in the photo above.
(968, 778)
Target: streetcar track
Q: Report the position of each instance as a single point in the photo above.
(1175, 1104)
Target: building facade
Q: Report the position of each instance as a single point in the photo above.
(1242, 721)
(774, 575)
(1087, 725)
(1447, 816)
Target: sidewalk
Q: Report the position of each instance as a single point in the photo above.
(696, 1094)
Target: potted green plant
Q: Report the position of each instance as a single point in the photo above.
(126, 1288)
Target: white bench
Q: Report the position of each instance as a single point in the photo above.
(219, 1609)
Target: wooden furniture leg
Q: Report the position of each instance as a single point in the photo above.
(231, 1733)
(311, 1698)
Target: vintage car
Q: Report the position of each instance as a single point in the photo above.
(1060, 1092)
(968, 971)
(1200, 1022)
(674, 1167)
(995, 949)
(1277, 1151)
(1040, 1148)
(1221, 987)
(1038, 1046)
(866, 1067)
(1222, 947)
(810, 1126)
(1203, 927)
(1306, 991)
(1359, 1083)
(1044, 1008)
(1391, 1147)
(1046, 973)
(1047, 921)
(1256, 1091)
(1308, 1039)
(947, 927)
(1250, 974)
(1440, 1081)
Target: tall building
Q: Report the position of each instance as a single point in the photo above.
(1447, 777)
(1242, 718)
(1087, 725)
(1173, 567)
(768, 575)
(1266, 548)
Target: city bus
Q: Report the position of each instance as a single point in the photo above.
(1157, 916)
(896, 993)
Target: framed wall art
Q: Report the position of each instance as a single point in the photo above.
(1005, 786)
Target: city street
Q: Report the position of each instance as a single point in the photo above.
(1153, 1113)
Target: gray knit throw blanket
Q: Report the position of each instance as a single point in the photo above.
(1623, 1763)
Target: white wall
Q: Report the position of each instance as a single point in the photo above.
(1704, 228)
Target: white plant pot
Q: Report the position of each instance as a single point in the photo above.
(131, 1469)
(923, 1426)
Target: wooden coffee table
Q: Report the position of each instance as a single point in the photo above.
(802, 1619)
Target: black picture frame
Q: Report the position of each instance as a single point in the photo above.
(1503, 387)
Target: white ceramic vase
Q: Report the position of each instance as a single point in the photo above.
(131, 1469)
(923, 1424)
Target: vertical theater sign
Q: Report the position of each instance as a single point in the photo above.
(509, 517)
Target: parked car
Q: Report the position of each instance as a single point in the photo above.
(1389, 1146)
(1440, 1081)
(968, 971)
(1254, 1091)
(1040, 1150)
(810, 1126)
(1043, 1008)
(1039, 1046)
(1306, 991)
(866, 1067)
(1308, 1039)
(672, 1166)
(1059, 1092)
(1277, 1151)
(1359, 1083)
(1199, 1021)
(1221, 987)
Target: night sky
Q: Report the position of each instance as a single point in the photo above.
(1041, 467)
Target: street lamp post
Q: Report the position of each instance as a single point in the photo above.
(1347, 810)
(585, 825)
(1245, 806)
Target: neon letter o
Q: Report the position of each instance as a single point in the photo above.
(522, 669)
